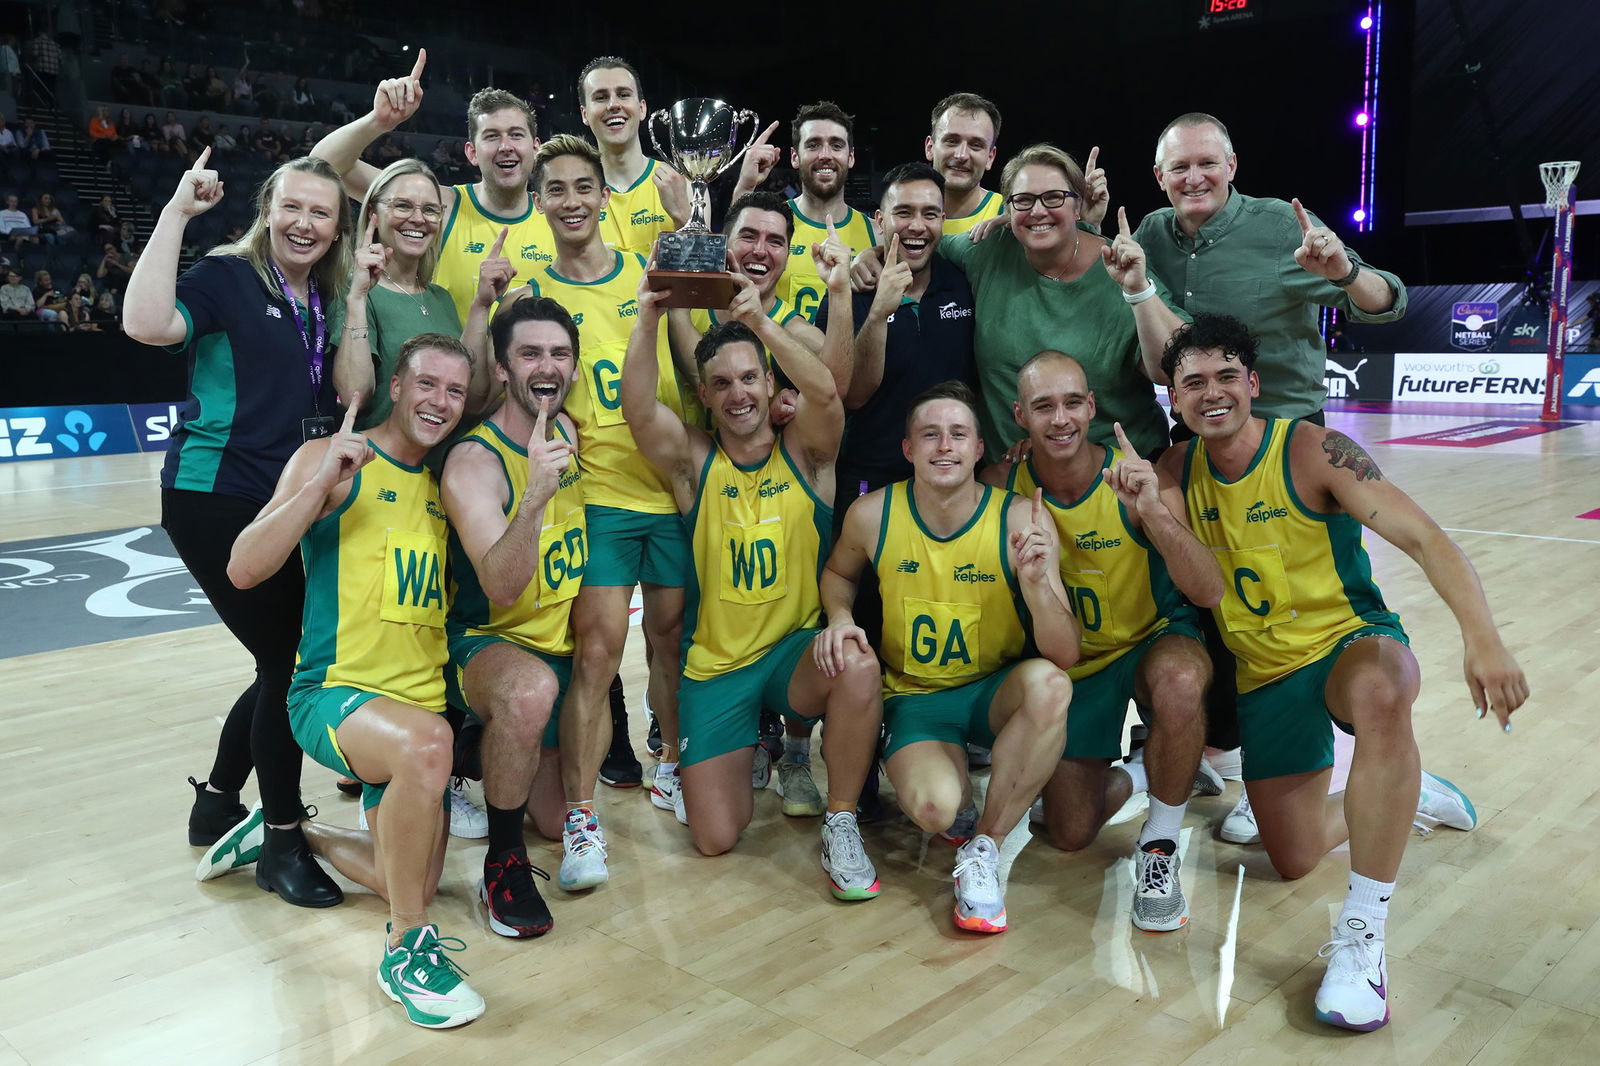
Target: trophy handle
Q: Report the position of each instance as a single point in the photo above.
(664, 117)
(755, 125)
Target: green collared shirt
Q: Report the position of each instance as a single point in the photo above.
(1242, 264)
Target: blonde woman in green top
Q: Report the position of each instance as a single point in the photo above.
(392, 291)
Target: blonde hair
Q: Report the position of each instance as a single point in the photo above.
(1044, 155)
(332, 271)
(380, 184)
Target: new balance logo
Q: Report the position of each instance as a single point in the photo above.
(908, 566)
(274, 311)
(1210, 514)
(1590, 384)
(731, 491)
(388, 495)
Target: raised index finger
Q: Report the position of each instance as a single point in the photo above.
(1300, 213)
(1094, 154)
(422, 61)
(539, 422)
(350, 414)
(1123, 442)
(894, 251)
(499, 242)
(1038, 506)
(201, 159)
(372, 229)
(1122, 222)
(767, 133)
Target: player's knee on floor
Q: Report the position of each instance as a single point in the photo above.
(716, 838)
(933, 806)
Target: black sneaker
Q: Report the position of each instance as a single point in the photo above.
(771, 733)
(507, 890)
(348, 785)
(653, 737)
(869, 808)
(620, 768)
(213, 814)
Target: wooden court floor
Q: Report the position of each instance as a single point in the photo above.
(117, 956)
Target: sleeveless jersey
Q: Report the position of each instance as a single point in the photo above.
(1295, 581)
(952, 612)
(703, 319)
(616, 474)
(991, 206)
(634, 216)
(801, 287)
(470, 232)
(1116, 579)
(375, 571)
(539, 617)
(759, 536)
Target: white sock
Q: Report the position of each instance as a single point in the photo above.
(1162, 822)
(1135, 771)
(1368, 903)
(796, 749)
(666, 769)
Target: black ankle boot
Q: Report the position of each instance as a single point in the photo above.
(287, 867)
(620, 768)
(213, 814)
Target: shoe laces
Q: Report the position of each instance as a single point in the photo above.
(460, 803)
(1155, 872)
(1348, 954)
(515, 880)
(580, 840)
(844, 842)
(1243, 806)
(979, 866)
(439, 970)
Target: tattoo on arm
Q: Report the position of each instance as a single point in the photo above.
(1344, 452)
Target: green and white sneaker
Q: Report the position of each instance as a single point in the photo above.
(851, 875)
(427, 983)
(239, 846)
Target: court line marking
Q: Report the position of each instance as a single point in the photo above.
(1523, 536)
(80, 485)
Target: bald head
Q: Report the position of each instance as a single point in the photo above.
(1051, 371)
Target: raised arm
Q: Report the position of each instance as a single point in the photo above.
(396, 100)
(839, 580)
(353, 370)
(150, 307)
(758, 163)
(495, 274)
(660, 433)
(819, 415)
(1152, 318)
(309, 487)
(873, 339)
(504, 554)
(1036, 560)
(1336, 469)
(1155, 502)
(1323, 254)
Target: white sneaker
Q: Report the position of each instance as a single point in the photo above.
(761, 768)
(1239, 827)
(851, 874)
(664, 789)
(1207, 782)
(1158, 901)
(798, 790)
(1036, 812)
(980, 905)
(1355, 990)
(467, 819)
(1441, 803)
(961, 829)
(584, 863)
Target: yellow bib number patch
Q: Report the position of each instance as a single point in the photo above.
(1090, 593)
(1257, 596)
(603, 375)
(413, 579)
(753, 570)
(941, 639)
(563, 552)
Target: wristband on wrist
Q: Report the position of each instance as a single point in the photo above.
(1350, 278)
(1142, 295)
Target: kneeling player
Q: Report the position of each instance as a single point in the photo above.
(967, 572)
(759, 509)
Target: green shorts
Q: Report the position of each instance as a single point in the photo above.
(954, 715)
(464, 646)
(1100, 701)
(724, 713)
(1283, 726)
(627, 547)
(315, 715)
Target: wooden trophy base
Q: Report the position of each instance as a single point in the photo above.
(694, 288)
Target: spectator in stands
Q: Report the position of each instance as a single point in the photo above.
(388, 150)
(49, 300)
(194, 87)
(16, 225)
(308, 140)
(104, 313)
(8, 140)
(203, 136)
(172, 129)
(243, 100)
(151, 82)
(126, 127)
(33, 140)
(267, 145)
(106, 221)
(84, 287)
(76, 315)
(44, 56)
(103, 136)
(127, 238)
(10, 64)
(305, 102)
(341, 111)
(126, 88)
(48, 219)
(115, 268)
(225, 144)
(442, 163)
(171, 83)
(149, 134)
(218, 95)
(269, 100)
(16, 302)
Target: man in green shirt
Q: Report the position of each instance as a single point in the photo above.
(1268, 263)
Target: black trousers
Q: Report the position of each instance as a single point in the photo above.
(266, 620)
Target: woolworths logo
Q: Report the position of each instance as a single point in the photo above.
(1093, 541)
(1261, 512)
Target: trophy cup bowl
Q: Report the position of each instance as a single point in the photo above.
(702, 141)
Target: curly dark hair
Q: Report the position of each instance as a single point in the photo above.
(1205, 333)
